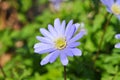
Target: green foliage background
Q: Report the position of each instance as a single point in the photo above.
(25, 64)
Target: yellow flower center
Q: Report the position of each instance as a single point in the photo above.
(60, 43)
(116, 9)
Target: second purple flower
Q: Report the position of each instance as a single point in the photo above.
(113, 6)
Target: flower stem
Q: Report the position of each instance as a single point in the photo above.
(2, 71)
(64, 72)
(102, 37)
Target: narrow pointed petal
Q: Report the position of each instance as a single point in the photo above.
(68, 52)
(55, 54)
(63, 27)
(70, 32)
(78, 36)
(44, 40)
(46, 59)
(76, 52)
(52, 30)
(57, 25)
(74, 44)
(63, 59)
(68, 27)
(46, 33)
(108, 3)
(117, 45)
(43, 48)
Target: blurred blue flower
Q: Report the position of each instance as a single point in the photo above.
(113, 6)
(60, 40)
(117, 36)
(56, 3)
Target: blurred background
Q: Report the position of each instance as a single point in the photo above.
(20, 21)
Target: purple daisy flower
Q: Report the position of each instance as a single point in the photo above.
(60, 40)
(113, 6)
(117, 36)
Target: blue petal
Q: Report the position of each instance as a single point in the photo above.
(68, 52)
(111, 2)
(78, 36)
(74, 44)
(46, 59)
(68, 27)
(108, 4)
(70, 32)
(117, 36)
(77, 26)
(62, 30)
(63, 59)
(57, 25)
(76, 52)
(52, 30)
(55, 54)
(44, 39)
(46, 33)
(104, 2)
(117, 2)
(43, 48)
(117, 45)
